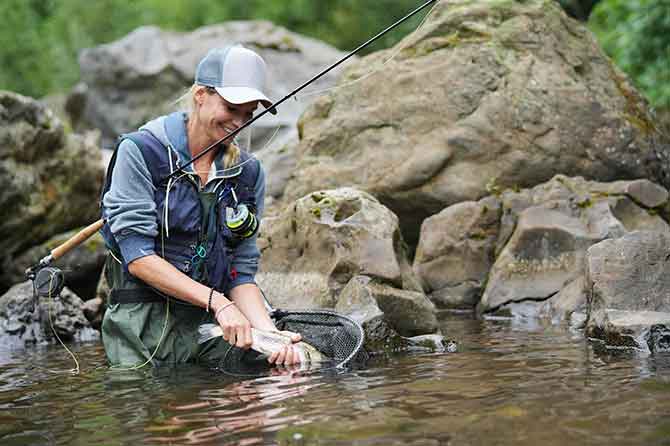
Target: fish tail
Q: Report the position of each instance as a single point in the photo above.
(207, 332)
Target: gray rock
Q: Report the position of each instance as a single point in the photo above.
(409, 312)
(543, 236)
(456, 251)
(628, 280)
(317, 244)
(634, 217)
(49, 181)
(642, 191)
(82, 266)
(389, 316)
(568, 306)
(131, 80)
(20, 324)
(94, 310)
(486, 95)
(357, 301)
(279, 164)
(659, 339)
(544, 254)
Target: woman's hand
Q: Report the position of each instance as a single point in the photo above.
(236, 327)
(287, 355)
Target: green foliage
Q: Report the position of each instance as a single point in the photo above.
(40, 39)
(636, 34)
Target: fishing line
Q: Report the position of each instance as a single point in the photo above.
(267, 144)
(52, 301)
(374, 70)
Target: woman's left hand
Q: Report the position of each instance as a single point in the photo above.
(287, 355)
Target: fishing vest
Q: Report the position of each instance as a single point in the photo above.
(192, 235)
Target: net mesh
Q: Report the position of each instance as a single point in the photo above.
(334, 335)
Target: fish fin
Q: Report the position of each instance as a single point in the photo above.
(207, 332)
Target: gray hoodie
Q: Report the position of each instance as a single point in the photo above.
(129, 205)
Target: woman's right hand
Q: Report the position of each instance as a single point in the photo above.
(235, 326)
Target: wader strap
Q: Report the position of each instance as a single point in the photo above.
(134, 296)
(141, 296)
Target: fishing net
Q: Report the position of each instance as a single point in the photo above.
(338, 337)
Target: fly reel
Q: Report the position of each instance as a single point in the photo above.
(48, 282)
(241, 221)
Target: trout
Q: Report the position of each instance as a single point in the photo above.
(267, 342)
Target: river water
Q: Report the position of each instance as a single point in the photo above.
(509, 383)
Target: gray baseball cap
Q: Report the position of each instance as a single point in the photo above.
(237, 74)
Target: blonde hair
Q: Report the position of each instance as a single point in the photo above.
(186, 103)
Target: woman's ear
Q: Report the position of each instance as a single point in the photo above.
(199, 95)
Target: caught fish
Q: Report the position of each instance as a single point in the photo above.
(267, 342)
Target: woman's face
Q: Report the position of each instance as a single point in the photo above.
(219, 117)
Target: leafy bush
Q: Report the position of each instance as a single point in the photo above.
(636, 34)
(40, 39)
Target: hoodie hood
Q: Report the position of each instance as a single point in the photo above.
(170, 130)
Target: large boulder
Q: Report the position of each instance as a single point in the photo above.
(129, 81)
(503, 94)
(314, 247)
(22, 322)
(628, 283)
(49, 180)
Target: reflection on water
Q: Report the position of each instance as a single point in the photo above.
(509, 383)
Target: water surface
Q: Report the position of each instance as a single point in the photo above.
(509, 383)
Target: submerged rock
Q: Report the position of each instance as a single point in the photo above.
(21, 323)
(486, 95)
(393, 320)
(628, 283)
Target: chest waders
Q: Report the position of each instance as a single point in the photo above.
(142, 325)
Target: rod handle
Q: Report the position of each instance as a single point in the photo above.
(77, 239)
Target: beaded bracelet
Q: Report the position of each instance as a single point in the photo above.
(216, 315)
(209, 302)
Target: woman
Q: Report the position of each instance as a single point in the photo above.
(175, 251)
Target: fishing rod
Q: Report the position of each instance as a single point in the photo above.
(87, 232)
(66, 247)
(274, 105)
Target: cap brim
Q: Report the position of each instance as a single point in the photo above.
(242, 95)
